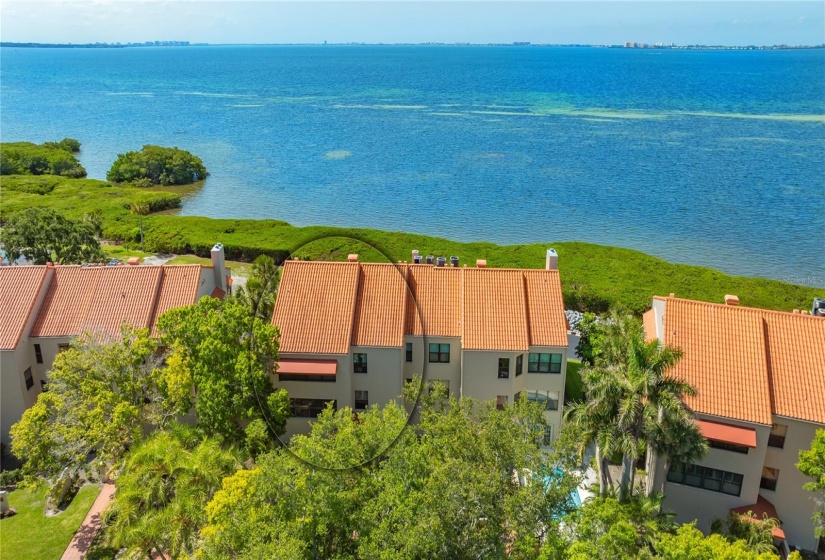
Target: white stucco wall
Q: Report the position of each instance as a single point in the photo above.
(704, 506)
(383, 379)
(12, 390)
(794, 504)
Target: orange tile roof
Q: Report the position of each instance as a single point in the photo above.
(490, 309)
(101, 299)
(749, 363)
(494, 310)
(19, 288)
(433, 301)
(379, 307)
(178, 288)
(547, 324)
(315, 306)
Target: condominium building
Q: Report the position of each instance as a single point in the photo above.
(353, 333)
(42, 308)
(760, 377)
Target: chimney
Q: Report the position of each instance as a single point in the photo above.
(415, 254)
(219, 266)
(731, 300)
(551, 262)
(672, 295)
(441, 261)
(454, 262)
(481, 263)
(135, 261)
(352, 257)
(795, 311)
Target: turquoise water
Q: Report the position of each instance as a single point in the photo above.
(707, 157)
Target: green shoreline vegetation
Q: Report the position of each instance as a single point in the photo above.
(594, 277)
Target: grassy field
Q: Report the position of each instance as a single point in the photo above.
(593, 276)
(30, 535)
(573, 387)
(238, 268)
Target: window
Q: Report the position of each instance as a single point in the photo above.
(29, 379)
(362, 400)
(519, 364)
(440, 353)
(501, 402)
(728, 446)
(777, 436)
(290, 377)
(550, 399)
(697, 476)
(309, 408)
(544, 363)
(38, 354)
(547, 437)
(769, 478)
(408, 347)
(359, 363)
(62, 347)
(504, 368)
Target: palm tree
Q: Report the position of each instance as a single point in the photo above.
(757, 533)
(141, 209)
(167, 480)
(259, 293)
(650, 400)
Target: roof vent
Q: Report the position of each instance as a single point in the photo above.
(415, 253)
(430, 259)
(352, 257)
(551, 261)
(818, 308)
(731, 300)
(417, 259)
(441, 261)
(454, 262)
(481, 263)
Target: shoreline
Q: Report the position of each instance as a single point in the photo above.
(594, 277)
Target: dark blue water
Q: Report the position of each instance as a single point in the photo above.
(707, 157)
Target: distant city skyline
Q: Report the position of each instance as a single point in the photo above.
(395, 21)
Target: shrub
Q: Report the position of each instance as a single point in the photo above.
(156, 165)
(53, 158)
(10, 478)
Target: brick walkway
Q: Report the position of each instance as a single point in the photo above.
(87, 532)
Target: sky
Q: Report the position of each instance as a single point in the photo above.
(739, 22)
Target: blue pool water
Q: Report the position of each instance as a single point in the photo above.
(707, 157)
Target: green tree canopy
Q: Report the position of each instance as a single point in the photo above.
(52, 158)
(688, 543)
(101, 395)
(219, 362)
(812, 463)
(156, 165)
(42, 235)
(467, 481)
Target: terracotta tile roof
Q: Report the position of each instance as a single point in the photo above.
(379, 307)
(547, 324)
(315, 306)
(490, 309)
(433, 301)
(749, 363)
(101, 299)
(494, 310)
(19, 288)
(797, 369)
(178, 288)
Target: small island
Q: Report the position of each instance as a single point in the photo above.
(156, 165)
